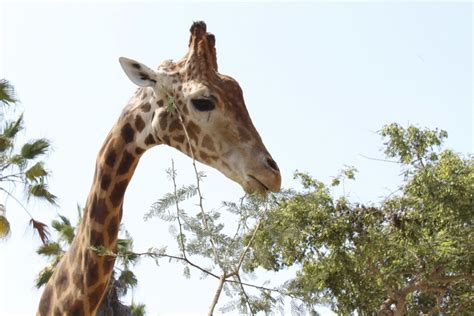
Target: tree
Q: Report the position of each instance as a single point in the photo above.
(123, 278)
(21, 164)
(411, 253)
(206, 245)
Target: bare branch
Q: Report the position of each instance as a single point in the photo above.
(215, 300)
(378, 159)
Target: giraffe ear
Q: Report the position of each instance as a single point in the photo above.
(140, 74)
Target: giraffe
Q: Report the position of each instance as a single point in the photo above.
(209, 122)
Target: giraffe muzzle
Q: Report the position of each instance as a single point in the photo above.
(266, 179)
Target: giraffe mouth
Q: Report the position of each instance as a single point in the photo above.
(257, 185)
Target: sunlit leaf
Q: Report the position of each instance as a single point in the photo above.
(36, 171)
(41, 191)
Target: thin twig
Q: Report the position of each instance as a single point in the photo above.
(181, 237)
(242, 289)
(16, 200)
(378, 159)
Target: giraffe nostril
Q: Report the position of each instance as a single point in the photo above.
(272, 164)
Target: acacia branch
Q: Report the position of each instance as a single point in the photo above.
(153, 254)
(198, 186)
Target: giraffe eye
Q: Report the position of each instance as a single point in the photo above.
(203, 105)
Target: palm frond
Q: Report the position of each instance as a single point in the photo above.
(64, 228)
(42, 230)
(50, 249)
(18, 160)
(40, 190)
(12, 128)
(36, 172)
(35, 148)
(5, 143)
(138, 309)
(7, 93)
(128, 278)
(44, 276)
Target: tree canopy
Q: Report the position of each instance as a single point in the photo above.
(411, 253)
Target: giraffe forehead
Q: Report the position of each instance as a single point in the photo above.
(195, 88)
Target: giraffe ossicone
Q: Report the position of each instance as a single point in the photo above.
(209, 122)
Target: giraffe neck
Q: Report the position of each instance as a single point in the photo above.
(80, 280)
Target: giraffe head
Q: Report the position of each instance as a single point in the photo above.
(192, 93)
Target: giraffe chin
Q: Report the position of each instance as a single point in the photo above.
(254, 185)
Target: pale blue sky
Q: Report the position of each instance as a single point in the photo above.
(319, 80)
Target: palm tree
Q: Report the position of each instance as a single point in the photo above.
(21, 164)
(123, 279)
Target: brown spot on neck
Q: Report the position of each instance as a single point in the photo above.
(208, 143)
(139, 123)
(127, 133)
(146, 107)
(111, 157)
(150, 140)
(193, 131)
(116, 197)
(125, 163)
(98, 210)
(105, 182)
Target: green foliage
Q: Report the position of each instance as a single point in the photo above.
(64, 229)
(128, 277)
(35, 172)
(35, 148)
(169, 200)
(411, 145)
(138, 309)
(7, 93)
(40, 191)
(21, 163)
(50, 249)
(44, 276)
(413, 250)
